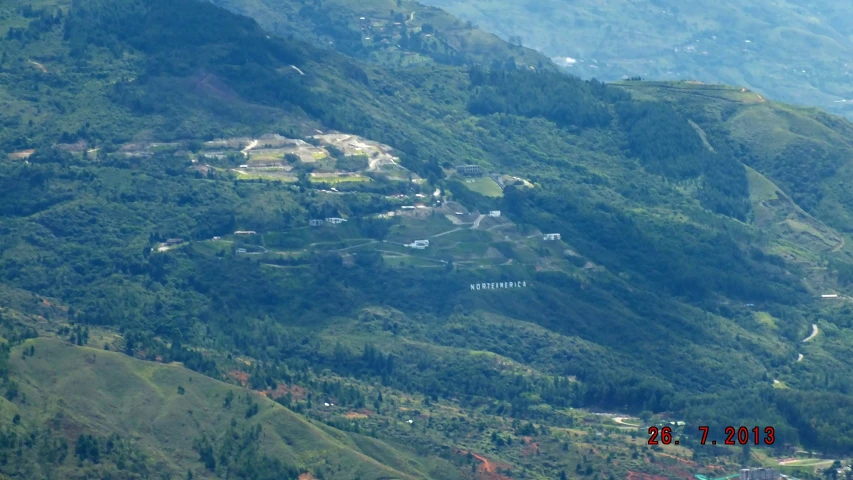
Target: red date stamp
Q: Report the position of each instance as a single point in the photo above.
(739, 436)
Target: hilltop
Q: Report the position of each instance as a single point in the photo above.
(790, 51)
(181, 185)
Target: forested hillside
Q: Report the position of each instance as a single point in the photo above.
(148, 210)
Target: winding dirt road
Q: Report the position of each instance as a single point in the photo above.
(251, 145)
(477, 222)
(815, 331)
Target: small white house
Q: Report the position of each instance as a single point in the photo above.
(495, 213)
(408, 207)
(335, 220)
(216, 238)
(418, 244)
(830, 295)
(551, 236)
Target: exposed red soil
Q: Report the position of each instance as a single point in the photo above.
(296, 392)
(241, 377)
(530, 447)
(306, 476)
(487, 470)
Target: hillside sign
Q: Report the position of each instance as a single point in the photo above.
(498, 285)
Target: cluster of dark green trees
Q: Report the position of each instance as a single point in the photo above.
(239, 454)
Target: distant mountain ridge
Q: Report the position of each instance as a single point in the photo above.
(792, 51)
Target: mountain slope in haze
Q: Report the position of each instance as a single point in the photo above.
(684, 282)
(792, 51)
(389, 32)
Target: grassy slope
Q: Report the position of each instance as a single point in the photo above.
(104, 392)
(796, 53)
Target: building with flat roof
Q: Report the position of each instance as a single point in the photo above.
(469, 170)
(551, 236)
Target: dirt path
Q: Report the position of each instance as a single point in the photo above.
(356, 246)
(298, 70)
(815, 331)
(477, 222)
(621, 421)
(398, 254)
(838, 247)
(39, 66)
(251, 145)
(445, 233)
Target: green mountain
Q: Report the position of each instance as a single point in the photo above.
(792, 51)
(163, 163)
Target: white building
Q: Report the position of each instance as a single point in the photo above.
(408, 207)
(551, 236)
(418, 244)
(245, 232)
(495, 213)
(830, 295)
(335, 220)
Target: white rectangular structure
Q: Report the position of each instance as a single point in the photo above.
(498, 285)
(551, 236)
(495, 213)
(335, 220)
